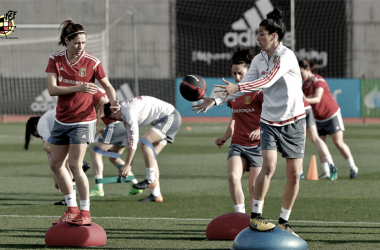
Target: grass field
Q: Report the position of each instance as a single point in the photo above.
(343, 214)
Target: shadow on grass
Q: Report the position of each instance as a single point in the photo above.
(21, 246)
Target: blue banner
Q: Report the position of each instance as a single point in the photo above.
(347, 92)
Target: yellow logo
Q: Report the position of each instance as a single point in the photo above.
(311, 89)
(247, 100)
(275, 59)
(82, 72)
(7, 25)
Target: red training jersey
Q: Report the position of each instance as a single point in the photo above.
(246, 110)
(327, 107)
(97, 96)
(75, 107)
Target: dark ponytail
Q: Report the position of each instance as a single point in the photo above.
(70, 30)
(242, 55)
(30, 129)
(307, 64)
(274, 23)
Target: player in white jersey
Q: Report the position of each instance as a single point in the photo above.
(139, 112)
(282, 124)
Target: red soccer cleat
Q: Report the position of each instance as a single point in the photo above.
(82, 219)
(68, 215)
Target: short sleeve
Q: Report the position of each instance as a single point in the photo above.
(51, 68)
(99, 72)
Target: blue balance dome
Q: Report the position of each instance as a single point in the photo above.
(278, 238)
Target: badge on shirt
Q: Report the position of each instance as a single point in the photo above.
(275, 59)
(247, 100)
(311, 89)
(82, 72)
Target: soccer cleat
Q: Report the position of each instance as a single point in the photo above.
(287, 227)
(133, 191)
(260, 224)
(97, 191)
(302, 177)
(145, 184)
(61, 203)
(65, 217)
(354, 173)
(151, 197)
(80, 220)
(333, 172)
(324, 176)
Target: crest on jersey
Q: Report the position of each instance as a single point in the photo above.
(311, 89)
(247, 100)
(275, 59)
(82, 72)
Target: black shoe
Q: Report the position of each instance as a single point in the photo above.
(353, 174)
(151, 197)
(145, 184)
(85, 166)
(61, 203)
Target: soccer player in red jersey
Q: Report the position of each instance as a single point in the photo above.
(323, 150)
(245, 152)
(327, 114)
(71, 75)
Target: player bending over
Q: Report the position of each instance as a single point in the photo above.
(111, 143)
(139, 112)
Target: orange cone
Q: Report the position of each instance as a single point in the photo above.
(313, 171)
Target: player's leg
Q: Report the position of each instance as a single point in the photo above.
(345, 152)
(155, 193)
(255, 163)
(253, 173)
(323, 151)
(236, 165)
(97, 165)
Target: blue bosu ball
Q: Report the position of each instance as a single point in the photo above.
(278, 238)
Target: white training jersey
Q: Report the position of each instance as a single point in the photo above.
(45, 124)
(280, 79)
(141, 111)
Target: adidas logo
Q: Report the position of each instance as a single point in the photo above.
(61, 68)
(337, 127)
(245, 29)
(60, 78)
(84, 137)
(43, 102)
(124, 92)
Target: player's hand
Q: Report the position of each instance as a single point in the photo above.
(88, 88)
(255, 135)
(124, 170)
(220, 141)
(101, 131)
(115, 106)
(204, 106)
(227, 90)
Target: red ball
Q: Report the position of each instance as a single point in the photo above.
(193, 87)
(227, 226)
(65, 235)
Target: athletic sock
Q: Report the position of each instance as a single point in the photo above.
(240, 208)
(156, 190)
(71, 200)
(351, 163)
(329, 160)
(150, 175)
(325, 167)
(302, 170)
(285, 214)
(134, 181)
(257, 206)
(85, 205)
(98, 177)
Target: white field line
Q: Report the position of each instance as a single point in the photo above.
(189, 219)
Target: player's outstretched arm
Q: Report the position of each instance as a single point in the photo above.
(227, 89)
(204, 106)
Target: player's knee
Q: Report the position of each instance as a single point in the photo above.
(112, 160)
(233, 178)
